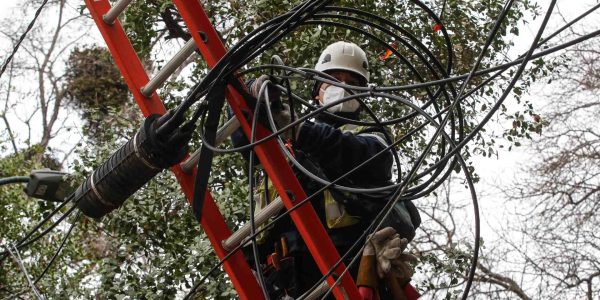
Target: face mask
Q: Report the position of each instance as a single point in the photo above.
(334, 93)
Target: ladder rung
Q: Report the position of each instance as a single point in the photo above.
(169, 68)
(318, 292)
(223, 133)
(115, 11)
(259, 218)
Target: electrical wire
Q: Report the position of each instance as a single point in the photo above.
(317, 13)
(60, 247)
(26, 241)
(427, 150)
(453, 151)
(483, 122)
(251, 170)
(298, 205)
(14, 179)
(500, 68)
(310, 115)
(54, 256)
(29, 27)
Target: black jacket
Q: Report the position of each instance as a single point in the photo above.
(338, 152)
(329, 152)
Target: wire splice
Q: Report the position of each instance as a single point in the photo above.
(131, 167)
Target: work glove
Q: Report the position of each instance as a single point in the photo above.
(282, 118)
(282, 115)
(388, 247)
(272, 90)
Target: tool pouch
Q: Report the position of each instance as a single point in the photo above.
(282, 283)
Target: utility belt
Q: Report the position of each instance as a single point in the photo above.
(329, 208)
(339, 210)
(279, 272)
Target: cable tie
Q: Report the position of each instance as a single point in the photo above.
(372, 90)
(139, 154)
(97, 193)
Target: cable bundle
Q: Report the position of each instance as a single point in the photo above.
(162, 142)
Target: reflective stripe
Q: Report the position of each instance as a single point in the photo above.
(261, 238)
(336, 214)
(356, 129)
(380, 139)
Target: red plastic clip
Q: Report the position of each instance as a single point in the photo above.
(388, 52)
(290, 148)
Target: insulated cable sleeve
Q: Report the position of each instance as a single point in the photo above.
(131, 167)
(125, 172)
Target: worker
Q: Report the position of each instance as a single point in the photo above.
(329, 147)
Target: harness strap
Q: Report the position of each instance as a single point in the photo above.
(215, 100)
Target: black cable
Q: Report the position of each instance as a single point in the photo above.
(429, 146)
(56, 253)
(593, 34)
(25, 241)
(507, 91)
(265, 45)
(14, 179)
(299, 204)
(468, 76)
(395, 198)
(242, 48)
(316, 111)
(583, 38)
(294, 19)
(426, 151)
(448, 48)
(62, 244)
(31, 23)
(441, 82)
(501, 67)
(255, 252)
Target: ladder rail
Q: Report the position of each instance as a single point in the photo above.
(136, 77)
(274, 162)
(271, 157)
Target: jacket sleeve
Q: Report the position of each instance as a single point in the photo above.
(338, 152)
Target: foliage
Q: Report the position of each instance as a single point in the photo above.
(17, 216)
(93, 81)
(152, 247)
(555, 237)
(95, 87)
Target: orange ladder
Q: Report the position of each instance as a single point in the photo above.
(207, 41)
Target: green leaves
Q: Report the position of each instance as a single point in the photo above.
(152, 247)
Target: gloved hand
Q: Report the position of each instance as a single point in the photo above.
(282, 114)
(272, 90)
(388, 248)
(282, 118)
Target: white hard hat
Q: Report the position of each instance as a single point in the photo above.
(344, 56)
